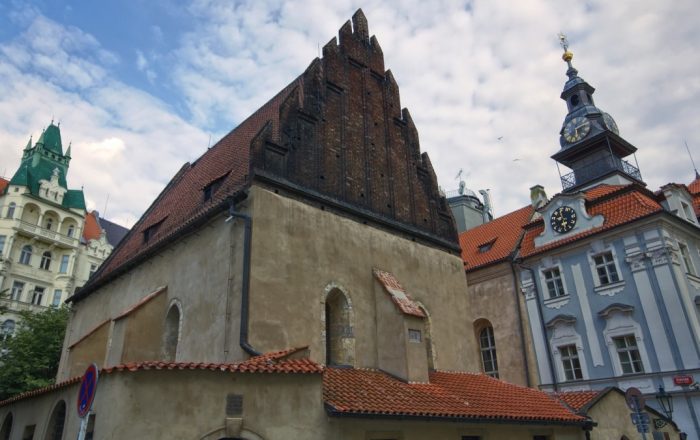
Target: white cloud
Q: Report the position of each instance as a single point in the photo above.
(469, 72)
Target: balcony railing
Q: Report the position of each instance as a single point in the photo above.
(38, 231)
(20, 306)
(598, 169)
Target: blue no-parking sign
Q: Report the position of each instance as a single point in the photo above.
(88, 387)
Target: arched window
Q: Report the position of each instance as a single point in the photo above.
(171, 336)
(7, 330)
(11, 210)
(25, 256)
(71, 231)
(45, 261)
(487, 347)
(57, 421)
(49, 223)
(340, 342)
(6, 429)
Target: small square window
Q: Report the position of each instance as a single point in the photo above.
(555, 286)
(414, 335)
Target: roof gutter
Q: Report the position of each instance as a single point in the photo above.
(245, 287)
(333, 412)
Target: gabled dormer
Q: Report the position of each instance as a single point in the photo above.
(566, 215)
(679, 201)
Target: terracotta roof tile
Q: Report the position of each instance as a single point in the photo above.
(182, 201)
(277, 362)
(448, 395)
(398, 294)
(577, 399)
(694, 186)
(618, 206)
(503, 232)
(91, 228)
(3, 184)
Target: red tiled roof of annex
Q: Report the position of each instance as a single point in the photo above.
(91, 227)
(618, 204)
(448, 395)
(503, 234)
(577, 399)
(694, 189)
(182, 202)
(274, 362)
(3, 184)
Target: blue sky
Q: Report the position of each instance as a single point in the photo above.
(141, 86)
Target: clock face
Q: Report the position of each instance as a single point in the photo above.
(563, 219)
(610, 123)
(576, 129)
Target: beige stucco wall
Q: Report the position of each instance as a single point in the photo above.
(90, 349)
(191, 404)
(613, 418)
(299, 250)
(143, 331)
(492, 296)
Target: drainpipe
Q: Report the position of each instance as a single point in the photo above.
(245, 288)
(544, 328)
(520, 324)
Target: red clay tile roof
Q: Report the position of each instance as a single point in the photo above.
(398, 294)
(505, 233)
(3, 184)
(694, 190)
(277, 362)
(617, 204)
(452, 395)
(577, 399)
(182, 202)
(91, 228)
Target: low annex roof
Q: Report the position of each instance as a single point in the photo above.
(503, 234)
(3, 185)
(448, 395)
(618, 204)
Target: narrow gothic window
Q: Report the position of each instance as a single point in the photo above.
(6, 429)
(487, 345)
(25, 257)
(57, 421)
(172, 333)
(338, 329)
(46, 261)
(49, 224)
(11, 210)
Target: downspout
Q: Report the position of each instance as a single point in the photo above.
(544, 328)
(520, 324)
(245, 288)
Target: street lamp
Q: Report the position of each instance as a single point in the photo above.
(665, 400)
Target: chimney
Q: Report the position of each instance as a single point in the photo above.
(538, 197)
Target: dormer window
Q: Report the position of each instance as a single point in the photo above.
(150, 231)
(687, 211)
(212, 186)
(485, 247)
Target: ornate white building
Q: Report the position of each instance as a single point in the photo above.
(49, 243)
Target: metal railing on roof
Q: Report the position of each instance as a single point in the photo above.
(597, 169)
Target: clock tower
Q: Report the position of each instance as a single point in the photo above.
(590, 142)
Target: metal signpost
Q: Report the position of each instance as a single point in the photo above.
(640, 419)
(86, 395)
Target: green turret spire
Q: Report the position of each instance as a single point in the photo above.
(51, 139)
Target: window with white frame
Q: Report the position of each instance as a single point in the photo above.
(11, 210)
(25, 256)
(56, 298)
(45, 261)
(487, 345)
(63, 268)
(605, 268)
(570, 362)
(16, 292)
(7, 329)
(38, 295)
(687, 261)
(555, 286)
(628, 353)
(71, 230)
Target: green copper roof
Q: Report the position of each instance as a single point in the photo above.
(51, 139)
(40, 161)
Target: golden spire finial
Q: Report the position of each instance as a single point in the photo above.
(567, 56)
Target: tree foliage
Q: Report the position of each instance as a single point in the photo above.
(31, 357)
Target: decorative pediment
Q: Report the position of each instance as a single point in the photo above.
(565, 216)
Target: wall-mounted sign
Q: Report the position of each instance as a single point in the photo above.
(683, 380)
(86, 393)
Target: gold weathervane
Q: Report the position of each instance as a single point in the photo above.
(567, 56)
